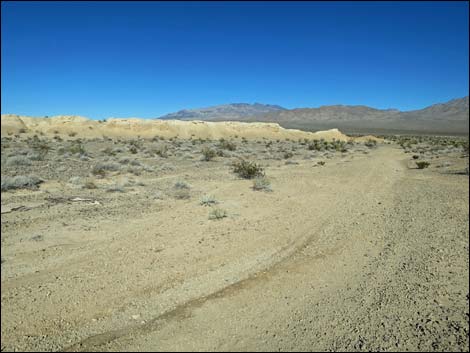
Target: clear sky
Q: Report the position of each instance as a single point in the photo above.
(145, 59)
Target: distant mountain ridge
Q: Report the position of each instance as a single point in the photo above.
(449, 117)
(227, 111)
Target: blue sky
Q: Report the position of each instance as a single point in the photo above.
(145, 59)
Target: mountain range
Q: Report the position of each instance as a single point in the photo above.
(446, 118)
(225, 111)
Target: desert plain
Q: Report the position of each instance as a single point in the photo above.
(198, 236)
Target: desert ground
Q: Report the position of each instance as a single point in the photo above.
(175, 244)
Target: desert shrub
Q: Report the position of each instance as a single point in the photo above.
(372, 143)
(208, 154)
(115, 188)
(422, 164)
(182, 194)
(167, 167)
(321, 162)
(262, 183)
(415, 156)
(148, 168)
(247, 169)
(22, 131)
(208, 200)
(136, 143)
(227, 145)
(287, 155)
(124, 160)
(76, 180)
(136, 170)
(133, 149)
(217, 213)
(314, 146)
(109, 151)
(35, 156)
(89, 184)
(72, 134)
(181, 184)
(18, 160)
(20, 182)
(444, 164)
(161, 151)
(102, 168)
(40, 146)
(77, 148)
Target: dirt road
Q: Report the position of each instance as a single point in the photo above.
(360, 254)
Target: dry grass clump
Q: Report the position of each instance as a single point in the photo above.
(217, 213)
(262, 184)
(208, 200)
(20, 182)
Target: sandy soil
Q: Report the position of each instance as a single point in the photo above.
(363, 253)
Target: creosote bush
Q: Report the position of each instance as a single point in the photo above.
(227, 145)
(247, 169)
(422, 164)
(208, 154)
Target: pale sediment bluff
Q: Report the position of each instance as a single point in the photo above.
(133, 127)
